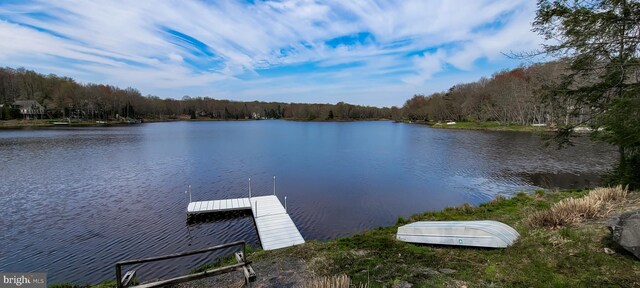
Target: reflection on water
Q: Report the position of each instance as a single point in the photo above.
(199, 219)
(75, 201)
(564, 180)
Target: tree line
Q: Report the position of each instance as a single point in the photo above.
(515, 96)
(63, 97)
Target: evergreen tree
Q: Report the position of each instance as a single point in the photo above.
(599, 40)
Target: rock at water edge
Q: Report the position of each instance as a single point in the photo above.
(625, 230)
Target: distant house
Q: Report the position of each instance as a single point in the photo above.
(29, 109)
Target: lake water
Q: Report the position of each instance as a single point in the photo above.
(75, 201)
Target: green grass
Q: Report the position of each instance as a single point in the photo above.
(493, 126)
(542, 257)
(38, 123)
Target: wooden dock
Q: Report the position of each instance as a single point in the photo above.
(275, 227)
(223, 205)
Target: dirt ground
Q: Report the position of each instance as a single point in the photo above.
(276, 272)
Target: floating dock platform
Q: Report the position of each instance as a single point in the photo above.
(275, 228)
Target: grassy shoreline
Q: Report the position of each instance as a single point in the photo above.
(488, 126)
(48, 123)
(567, 256)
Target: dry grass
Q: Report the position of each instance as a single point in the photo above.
(610, 195)
(340, 281)
(569, 211)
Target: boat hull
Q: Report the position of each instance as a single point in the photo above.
(492, 234)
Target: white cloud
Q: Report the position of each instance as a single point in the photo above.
(426, 66)
(175, 57)
(128, 43)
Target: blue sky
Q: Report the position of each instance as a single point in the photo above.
(376, 53)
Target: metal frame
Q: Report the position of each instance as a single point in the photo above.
(189, 277)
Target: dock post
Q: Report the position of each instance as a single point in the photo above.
(274, 185)
(285, 203)
(189, 193)
(249, 187)
(256, 216)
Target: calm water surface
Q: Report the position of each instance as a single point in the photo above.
(75, 201)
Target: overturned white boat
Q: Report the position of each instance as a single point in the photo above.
(486, 233)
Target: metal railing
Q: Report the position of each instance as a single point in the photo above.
(189, 277)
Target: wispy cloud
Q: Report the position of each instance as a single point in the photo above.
(365, 52)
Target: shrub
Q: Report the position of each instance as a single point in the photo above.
(574, 210)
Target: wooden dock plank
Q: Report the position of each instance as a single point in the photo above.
(276, 230)
(195, 205)
(274, 223)
(270, 242)
(218, 205)
(281, 237)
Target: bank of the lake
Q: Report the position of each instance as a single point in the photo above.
(569, 256)
(488, 126)
(48, 123)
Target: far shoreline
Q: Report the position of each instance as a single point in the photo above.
(16, 124)
(48, 123)
(485, 126)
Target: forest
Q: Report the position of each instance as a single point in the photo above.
(63, 97)
(516, 96)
